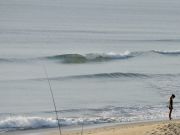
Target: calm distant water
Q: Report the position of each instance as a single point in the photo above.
(108, 61)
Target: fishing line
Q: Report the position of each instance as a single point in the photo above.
(52, 96)
(82, 128)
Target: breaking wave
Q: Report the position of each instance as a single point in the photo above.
(93, 57)
(102, 57)
(20, 122)
(24, 123)
(95, 116)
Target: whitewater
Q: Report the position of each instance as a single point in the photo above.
(109, 62)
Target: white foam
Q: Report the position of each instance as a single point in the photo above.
(118, 55)
(175, 52)
(109, 55)
(112, 115)
(27, 122)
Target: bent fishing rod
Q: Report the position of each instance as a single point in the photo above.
(52, 96)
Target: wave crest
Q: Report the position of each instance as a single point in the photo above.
(177, 52)
(26, 123)
(90, 57)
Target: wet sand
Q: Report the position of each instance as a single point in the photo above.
(143, 128)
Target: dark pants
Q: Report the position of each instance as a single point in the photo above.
(170, 111)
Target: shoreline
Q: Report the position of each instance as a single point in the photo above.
(139, 128)
(133, 128)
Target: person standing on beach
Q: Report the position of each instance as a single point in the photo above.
(171, 105)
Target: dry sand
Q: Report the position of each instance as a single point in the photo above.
(144, 128)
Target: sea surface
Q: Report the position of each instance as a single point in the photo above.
(108, 61)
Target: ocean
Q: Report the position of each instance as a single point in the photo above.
(108, 61)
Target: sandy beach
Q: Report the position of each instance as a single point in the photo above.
(109, 64)
(143, 128)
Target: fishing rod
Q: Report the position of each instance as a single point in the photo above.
(52, 96)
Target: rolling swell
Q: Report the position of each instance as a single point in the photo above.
(101, 76)
(114, 75)
(2, 60)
